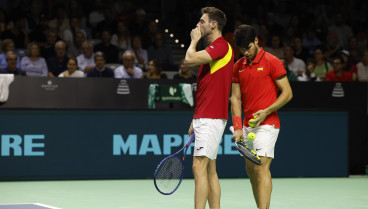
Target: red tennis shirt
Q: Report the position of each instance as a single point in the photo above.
(214, 82)
(258, 86)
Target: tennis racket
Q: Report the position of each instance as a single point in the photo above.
(245, 151)
(169, 173)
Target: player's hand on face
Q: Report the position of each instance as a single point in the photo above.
(238, 135)
(195, 35)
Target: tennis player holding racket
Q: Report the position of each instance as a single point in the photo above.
(256, 79)
(212, 102)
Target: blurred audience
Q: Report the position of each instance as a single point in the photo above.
(322, 65)
(110, 51)
(362, 68)
(338, 74)
(128, 70)
(154, 70)
(11, 59)
(100, 70)
(141, 55)
(160, 51)
(58, 63)
(72, 70)
(86, 61)
(295, 65)
(185, 72)
(33, 64)
(8, 45)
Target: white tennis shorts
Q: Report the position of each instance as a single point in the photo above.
(208, 133)
(264, 143)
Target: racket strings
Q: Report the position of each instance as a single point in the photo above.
(169, 175)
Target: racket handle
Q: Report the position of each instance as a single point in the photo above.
(190, 140)
(231, 128)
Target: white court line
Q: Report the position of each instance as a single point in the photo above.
(37, 204)
(51, 207)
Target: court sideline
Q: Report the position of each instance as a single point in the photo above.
(288, 193)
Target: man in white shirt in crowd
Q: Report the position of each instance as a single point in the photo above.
(86, 61)
(295, 65)
(128, 70)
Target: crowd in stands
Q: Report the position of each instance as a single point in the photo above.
(316, 41)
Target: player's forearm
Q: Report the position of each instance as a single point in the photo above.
(285, 96)
(236, 107)
(190, 54)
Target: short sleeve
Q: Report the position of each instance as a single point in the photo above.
(277, 69)
(217, 49)
(236, 68)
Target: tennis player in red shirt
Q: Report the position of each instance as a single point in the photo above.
(256, 79)
(212, 102)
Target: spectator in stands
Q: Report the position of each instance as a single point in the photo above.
(141, 55)
(76, 48)
(139, 25)
(331, 46)
(276, 47)
(309, 74)
(60, 23)
(72, 70)
(86, 61)
(311, 42)
(33, 64)
(8, 45)
(97, 15)
(110, 51)
(185, 72)
(322, 65)
(348, 65)
(342, 30)
(100, 70)
(300, 51)
(338, 74)
(295, 65)
(18, 33)
(48, 50)
(160, 51)
(362, 66)
(109, 23)
(355, 53)
(291, 76)
(128, 70)
(58, 63)
(148, 38)
(121, 38)
(154, 70)
(69, 36)
(11, 59)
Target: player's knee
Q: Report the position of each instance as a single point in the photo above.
(261, 170)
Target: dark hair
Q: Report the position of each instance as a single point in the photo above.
(244, 35)
(157, 65)
(74, 59)
(215, 14)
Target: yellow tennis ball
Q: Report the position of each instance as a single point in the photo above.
(251, 136)
(251, 123)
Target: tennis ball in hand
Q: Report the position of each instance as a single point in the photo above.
(251, 136)
(251, 122)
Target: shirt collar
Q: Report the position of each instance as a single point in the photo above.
(258, 57)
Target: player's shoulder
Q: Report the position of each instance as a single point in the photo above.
(240, 61)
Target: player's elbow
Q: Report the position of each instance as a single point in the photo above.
(289, 95)
(189, 62)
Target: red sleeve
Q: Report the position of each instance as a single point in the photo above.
(217, 49)
(236, 68)
(277, 69)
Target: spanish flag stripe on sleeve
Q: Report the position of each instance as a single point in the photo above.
(220, 63)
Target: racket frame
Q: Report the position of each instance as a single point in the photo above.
(184, 150)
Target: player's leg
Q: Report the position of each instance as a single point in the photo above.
(249, 165)
(200, 164)
(214, 194)
(264, 182)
